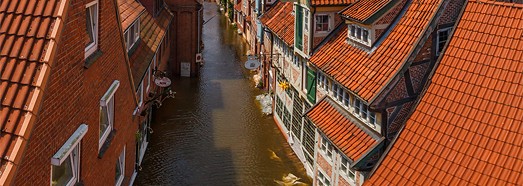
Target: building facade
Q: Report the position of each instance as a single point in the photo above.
(69, 94)
(186, 33)
(344, 85)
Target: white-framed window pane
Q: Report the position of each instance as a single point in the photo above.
(139, 93)
(120, 168)
(372, 118)
(91, 27)
(63, 174)
(89, 24)
(353, 31)
(67, 172)
(322, 23)
(357, 105)
(365, 35)
(104, 120)
(346, 99)
(358, 33)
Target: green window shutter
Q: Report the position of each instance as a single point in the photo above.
(299, 27)
(311, 85)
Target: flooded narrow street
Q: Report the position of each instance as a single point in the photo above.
(213, 132)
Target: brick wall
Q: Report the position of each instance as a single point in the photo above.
(389, 16)
(426, 51)
(451, 12)
(73, 97)
(184, 32)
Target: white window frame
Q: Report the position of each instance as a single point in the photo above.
(139, 93)
(108, 101)
(91, 48)
(356, 34)
(316, 23)
(70, 149)
(132, 38)
(438, 42)
(121, 162)
(148, 79)
(327, 148)
(323, 178)
(348, 172)
(305, 20)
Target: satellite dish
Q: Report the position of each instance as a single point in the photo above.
(162, 82)
(252, 63)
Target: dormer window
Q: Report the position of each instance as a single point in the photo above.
(360, 35)
(322, 23)
(132, 34)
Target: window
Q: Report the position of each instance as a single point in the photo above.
(120, 168)
(346, 99)
(443, 36)
(322, 23)
(296, 60)
(65, 163)
(345, 168)
(139, 93)
(306, 20)
(334, 90)
(322, 179)
(359, 34)
(148, 79)
(299, 28)
(362, 110)
(132, 34)
(91, 27)
(107, 112)
(326, 147)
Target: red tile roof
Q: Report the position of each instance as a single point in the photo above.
(130, 10)
(364, 9)
(28, 35)
(344, 134)
(280, 21)
(331, 2)
(152, 32)
(366, 74)
(467, 129)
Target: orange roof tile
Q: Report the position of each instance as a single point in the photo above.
(28, 35)
(467, 129)
(152, 31)
(343, 133)
(280, 21)
(366, 74)
(130, 10)
(364, 9)
(331, 2)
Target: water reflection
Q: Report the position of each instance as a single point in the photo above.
(213, 133)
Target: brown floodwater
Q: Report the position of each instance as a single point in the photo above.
(213, 132)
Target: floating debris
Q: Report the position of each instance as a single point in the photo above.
(289, 179)
(266, 103)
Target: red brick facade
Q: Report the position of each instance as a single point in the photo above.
(73, 98)
(186, 35)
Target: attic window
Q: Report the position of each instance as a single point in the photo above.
(360, 34)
